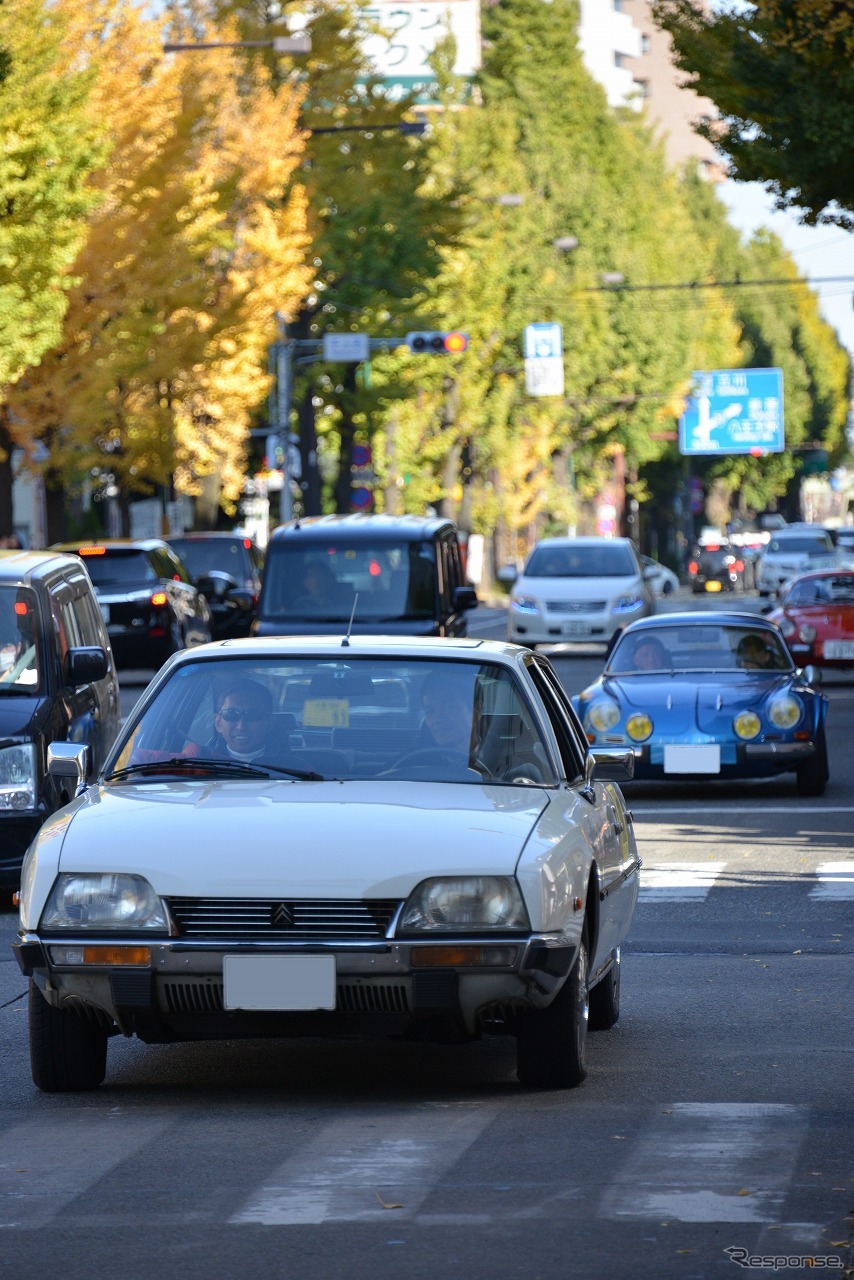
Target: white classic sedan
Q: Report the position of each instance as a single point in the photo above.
(333, 837)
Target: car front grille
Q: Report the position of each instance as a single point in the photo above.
(282, 918)
(189, 995)
(575, 606)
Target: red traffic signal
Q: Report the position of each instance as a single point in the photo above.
(436, 342)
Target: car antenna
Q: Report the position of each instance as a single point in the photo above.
(345, 643)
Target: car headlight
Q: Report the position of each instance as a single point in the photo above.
(807, 633)
(465, 902)
(603, 715)
(787, 626)
(625, 604)
(103, 901)
(18, 787)
(747, 724)
(524, 604)
(639, 727)
(785, 712)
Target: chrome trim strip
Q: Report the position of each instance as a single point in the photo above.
(620, 879)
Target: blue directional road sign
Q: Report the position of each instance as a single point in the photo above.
(734, 411)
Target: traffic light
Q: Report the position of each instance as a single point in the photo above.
(434, 343)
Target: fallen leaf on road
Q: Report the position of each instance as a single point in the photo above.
(387, 1206)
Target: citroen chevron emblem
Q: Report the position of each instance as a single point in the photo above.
(282, 916)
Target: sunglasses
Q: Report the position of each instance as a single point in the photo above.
(250, 715)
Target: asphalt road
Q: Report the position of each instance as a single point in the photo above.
(717, 1114)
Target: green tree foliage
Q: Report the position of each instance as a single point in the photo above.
(781, 73)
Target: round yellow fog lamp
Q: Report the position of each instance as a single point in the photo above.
(747, 724)
(639, 727)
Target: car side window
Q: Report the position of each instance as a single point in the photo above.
(65, 623)
(176, 566)
(86, 614)
(564, 722)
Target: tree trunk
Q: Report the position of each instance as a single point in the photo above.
(7, 514)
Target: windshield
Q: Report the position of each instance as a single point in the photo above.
(367, 718)
(592, 560)
(20, 670)
(838, 589)
(698, 647)
(118, 568)
(202, 555)
(319, 581)
(809, 545)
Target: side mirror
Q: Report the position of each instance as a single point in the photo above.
(610, 764)
(465, 598)
(70, 760)
(811, 674)
(649, 571)
(215, 584)
(767, 608)
(507, 574)
(85, 665)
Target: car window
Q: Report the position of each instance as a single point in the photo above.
(447, 721)
(800, 544)
(175, 568)
(698, 647)
(318, 580)
(564, 722)
(838, 589)
(607, 561)
(20, 643)
(118, 569)
(201, 556)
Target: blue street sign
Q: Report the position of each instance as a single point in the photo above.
(543, 340)
(734, 411)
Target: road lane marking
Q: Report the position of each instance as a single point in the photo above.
(835, 880)
(47, 1163)
(355, 1169)
(710, 1162)
(724, 810)
(678, 881)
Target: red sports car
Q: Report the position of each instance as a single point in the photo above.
(815, 612)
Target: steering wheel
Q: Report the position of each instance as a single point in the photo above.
(523, 773)
(425, 756)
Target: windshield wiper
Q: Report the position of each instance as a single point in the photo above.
(228, 768)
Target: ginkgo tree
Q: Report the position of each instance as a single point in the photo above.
(198, 241)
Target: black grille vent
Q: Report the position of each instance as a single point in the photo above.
(384, 997)
(257, 918)
(192, 997)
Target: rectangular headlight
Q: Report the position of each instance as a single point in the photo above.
(103, 901)
(470, 903)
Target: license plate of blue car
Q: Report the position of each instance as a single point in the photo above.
(283, 983)
(692, 757)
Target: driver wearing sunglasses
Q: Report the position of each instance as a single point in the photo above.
(244, 719)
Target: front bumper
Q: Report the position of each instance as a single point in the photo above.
(737, 760)
(179, 995)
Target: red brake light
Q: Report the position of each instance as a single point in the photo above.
(713, 546)
(159, 598)
(247, 542)
(693, 567)
(739, 566)
(374, 569)
(21, 609)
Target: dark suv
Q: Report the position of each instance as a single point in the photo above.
(395, 575)
(147, 599)
(718, 566)
(57, 683)
(227, 568)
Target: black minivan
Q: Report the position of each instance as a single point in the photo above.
(58, 683)
(393, 575)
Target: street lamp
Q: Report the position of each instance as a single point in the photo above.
(612, 277)
(565, 244)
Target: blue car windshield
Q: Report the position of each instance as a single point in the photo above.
(698, 647)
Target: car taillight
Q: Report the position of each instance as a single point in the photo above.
(693, 567)
(159, 599)
(739, 566)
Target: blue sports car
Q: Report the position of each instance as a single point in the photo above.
(709, 695)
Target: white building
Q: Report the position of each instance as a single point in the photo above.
(609, 40)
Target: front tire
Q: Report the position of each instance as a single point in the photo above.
(67, 1052)
(605, 998)
(551, 1043)
(814, 773)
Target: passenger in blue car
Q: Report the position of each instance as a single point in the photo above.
(755, 655)
(649, 654)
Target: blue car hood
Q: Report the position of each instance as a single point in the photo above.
(706, 700)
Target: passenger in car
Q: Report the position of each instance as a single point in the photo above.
(244, 720)
(649, 654)
(754, 654)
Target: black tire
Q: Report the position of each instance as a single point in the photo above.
(551, 1043)
(667, 589)
(605, 998)
(814, 773)
(67, 1052)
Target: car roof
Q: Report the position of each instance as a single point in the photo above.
(209, 535)
(26, 566)
(113, 544)
(340, 648)
(709, 617)
(841, 572)
(591, 540)
(360, 527)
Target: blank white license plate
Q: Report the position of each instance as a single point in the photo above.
(105, 612)
(701, 757)
(279, 982)
(839, 648)
(576, 628)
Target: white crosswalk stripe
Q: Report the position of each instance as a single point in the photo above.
(678, 881)
(710, 1162)
(835, 880)
(357, 1169)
